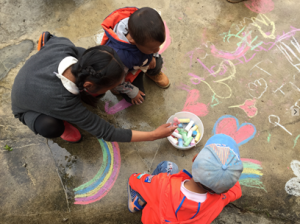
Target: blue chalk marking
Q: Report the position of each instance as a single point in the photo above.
(249, 176)
(96, 183)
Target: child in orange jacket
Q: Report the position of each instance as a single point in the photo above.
(171, 197)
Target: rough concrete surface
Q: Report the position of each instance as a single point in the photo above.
(240, 60)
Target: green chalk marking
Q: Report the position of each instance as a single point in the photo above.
(269, 137)
(251, 166)
(295, 141)
(214, 98)
(100, 172)
(252, 183)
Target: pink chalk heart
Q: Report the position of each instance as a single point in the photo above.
(260, 6)
(229, 125)
(191, 104)
(249, 107)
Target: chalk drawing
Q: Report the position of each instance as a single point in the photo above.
(229, 125)
(214, 99)
(103, 181)
(167, 42)
(249, 107)
(260, 6)
(257, 88)
(252, 174)
(295, 141)
(121, 105)
(290, 52)
(263, 19)
(276, 123)
(292, 187)
(269, 137)
(191, 104)
(256, 65)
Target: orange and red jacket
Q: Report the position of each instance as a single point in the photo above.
(167, 204)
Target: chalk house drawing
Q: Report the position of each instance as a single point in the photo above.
(292, 187)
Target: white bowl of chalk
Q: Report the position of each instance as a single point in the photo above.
(189, 132)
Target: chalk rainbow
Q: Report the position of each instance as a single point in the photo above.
(103, 181)
(252, 174)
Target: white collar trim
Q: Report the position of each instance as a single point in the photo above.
(68, 84)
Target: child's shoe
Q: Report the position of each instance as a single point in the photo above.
(133, 200)
(161, 80)
(71, 134)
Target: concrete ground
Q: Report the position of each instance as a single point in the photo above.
(240, 60)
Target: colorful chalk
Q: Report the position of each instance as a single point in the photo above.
(176, 121)
(176, 135)
(193, 143)
(194, 128)
(184, 136)
(180, 125)
(197, 136)
(194, 134)
(190, 132)
(188, 141)
(184, 120)
(174, 141)
(180, 142)
(188, 127)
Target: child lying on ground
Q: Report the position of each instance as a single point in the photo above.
(167, 196)
(136, 35)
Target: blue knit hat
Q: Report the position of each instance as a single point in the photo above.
(218, 165)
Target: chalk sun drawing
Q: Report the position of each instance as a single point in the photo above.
(191, 104)
(229, 125)
(249, 107)
(260, 6)
(103, 181)
(252, 174)
(292, 187)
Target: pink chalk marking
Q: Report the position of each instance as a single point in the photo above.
(251, 161)
(183, 87)
(123, 104)
(179, 18)
(191, 104)
(260, 6)
(239, 52)
(108, 184)
(196, 77)
(167, 42)
(249, 107)
(228, 126)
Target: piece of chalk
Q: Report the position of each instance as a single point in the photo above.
(188, 141)
(177, 135)
(176, 130)
(176, 121)
(197, 136)
(193, 142)
(194, 128)
(184, 120)
(180, 142)
(173, 140)
(190, 132)
(184, 137)
(194, 134)
(180, 125)
(188, 127)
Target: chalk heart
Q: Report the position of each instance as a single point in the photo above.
(191, 104)
(229, 125)
(249, 107)
(260, 6)
(292, 187)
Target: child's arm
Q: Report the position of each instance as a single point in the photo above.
(233, 194)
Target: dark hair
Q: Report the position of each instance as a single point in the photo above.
(100, 65)
(145, 25)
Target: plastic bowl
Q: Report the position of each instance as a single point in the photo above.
(193, 117)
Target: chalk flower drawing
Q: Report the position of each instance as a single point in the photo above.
(104, 180)
(252, 174)
(292, 187)
(249, 107)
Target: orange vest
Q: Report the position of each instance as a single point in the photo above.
(167, 204)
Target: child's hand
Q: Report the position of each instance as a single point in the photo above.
(164, 131)
(152, 64)
(138, 99)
